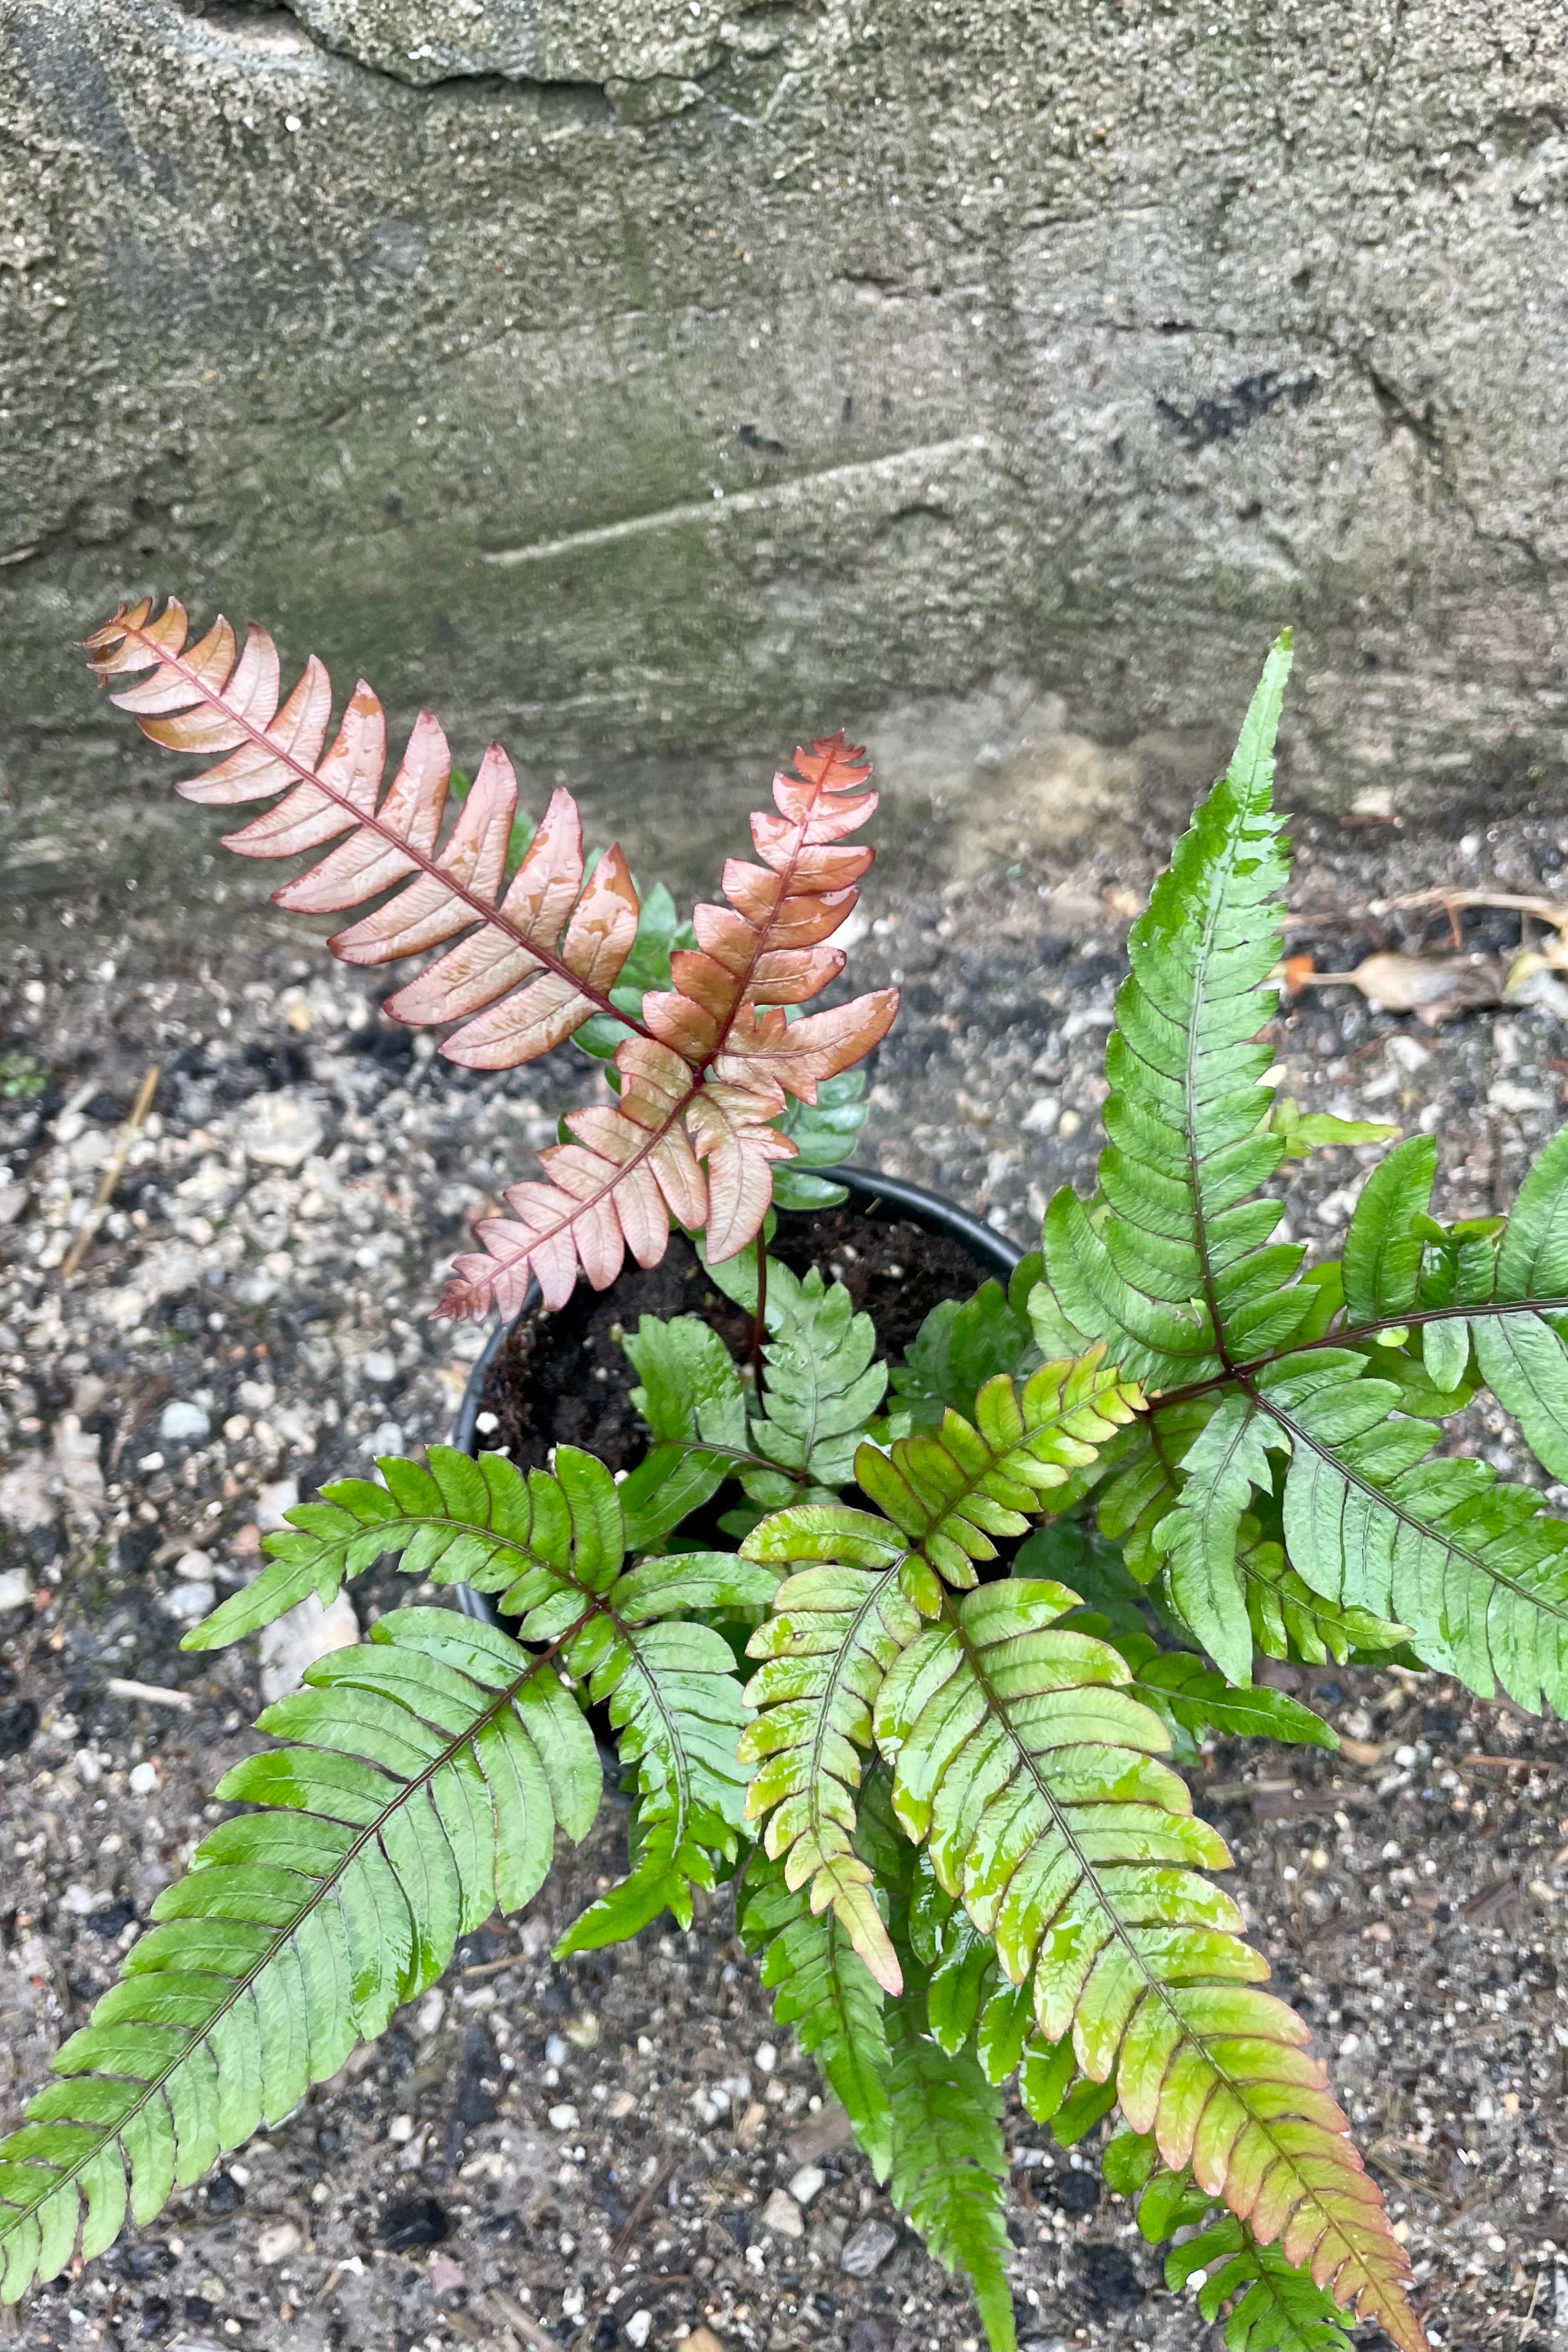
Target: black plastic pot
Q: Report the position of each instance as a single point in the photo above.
(937, 1215)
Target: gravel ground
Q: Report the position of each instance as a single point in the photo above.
(603, 2153)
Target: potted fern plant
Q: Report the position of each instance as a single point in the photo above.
(910, 1653)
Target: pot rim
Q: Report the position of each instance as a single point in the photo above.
(991, 1249)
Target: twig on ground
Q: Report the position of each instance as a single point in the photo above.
(150, 1694)
(111, 1174)
(635, 2218)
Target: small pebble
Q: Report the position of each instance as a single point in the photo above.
(804, 2187)
(868, 2248)
(564, 2117)
(378, 1366)
(16, 1588)
(276, 2242)
(782, 2216)
(190, 1600)
(184, 1424)
(638, 2328)
(143, 1780)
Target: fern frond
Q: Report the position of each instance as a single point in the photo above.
(553, 1546)
(833, 1630)
(823, 1386)
(823, 1133)
(694, 1135)
(1520, 1348)
(1475, 1567)
(429, 1768)
(1172, 1267)
(713, 1058)
(457, 1521)
(836, 1627)
(1183, 1691)
(675, 1698)
(822, 1987)
(691, 1397)
(1199, 1537)
(1276, 2305)
(948, 2162)
(961, 1344)
(1024, 1764)
(535, 960)
(1290, 1620)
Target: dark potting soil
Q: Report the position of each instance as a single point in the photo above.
(564, 1378)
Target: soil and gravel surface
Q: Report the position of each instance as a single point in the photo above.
(623, 2150)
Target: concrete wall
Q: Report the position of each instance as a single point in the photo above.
(652, 379)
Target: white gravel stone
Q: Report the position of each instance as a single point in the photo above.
(292, 1644)
(24, 1500)
(564, 2117)
(807, 2182)
(281, 1130)
(184, 1424)
(76, 1465)
(192, 1599)
(143, 1780)
(782, 2216)
(274, 1503)
(14, 1589)
(379, 1367)
(637, 2329)
(276, 2242)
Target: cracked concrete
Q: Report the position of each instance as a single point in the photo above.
(653, 382)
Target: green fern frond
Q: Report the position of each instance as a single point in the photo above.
(1276, 2305)
(822, 1987)
(691, 1399)
(1522, 1350)
(428, 1770)
(553, 1546)
(1198, 1538)
(1145, 1485)
(948, 2161)
(1475, 1567)
(824, 1135)
(675, 1700)
(963, 1343)
(822, 1387)
(1183, 1691)
(1172, 1267)
(1290, 1620)
(1309, 1401)
(458, 1521)
(1022, 1762)
(838, 1626)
